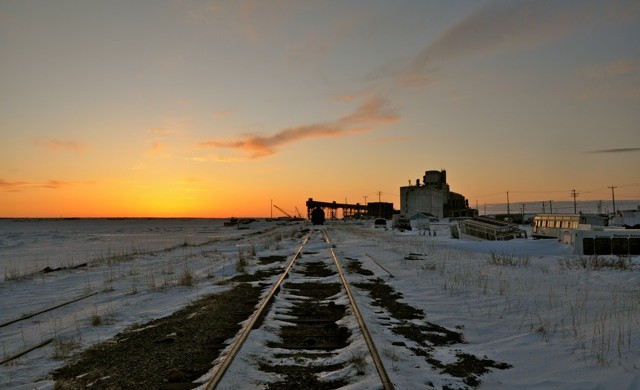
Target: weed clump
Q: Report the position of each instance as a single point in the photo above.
(595, 263)
(506, 260)
(187, 278)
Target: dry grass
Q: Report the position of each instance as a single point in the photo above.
(505, 260)
(595, 263)
(187, 278)
(359, 362)
(64, 348)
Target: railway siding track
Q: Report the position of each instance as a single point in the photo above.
(312, 335)
(306, 334)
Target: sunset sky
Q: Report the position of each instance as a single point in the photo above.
(217, 108)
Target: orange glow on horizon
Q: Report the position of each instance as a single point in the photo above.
(154, 200)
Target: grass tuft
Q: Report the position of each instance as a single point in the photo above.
(506, 260)
(187, 278)
(594, 263)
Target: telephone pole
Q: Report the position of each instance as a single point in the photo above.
(550, 207)
(613, 197)
(574, 195)
(508, 210)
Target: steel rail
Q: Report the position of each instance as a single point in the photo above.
(214, 381)
(26, 351)
(26, 316)
(382, 372)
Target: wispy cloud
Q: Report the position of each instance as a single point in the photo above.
(618, 150)
(161, 131)
(372, 112)
(508, 24)
(158, 149)
(618, 79)
(388, 140)
(220, 114)
(16, 186)
(60, 145)
(253, 20)
(13, 186)
(616, 68)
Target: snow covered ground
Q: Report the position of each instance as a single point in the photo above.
(527, 303)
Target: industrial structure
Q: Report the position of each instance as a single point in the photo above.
(372, 209)
(434, 198)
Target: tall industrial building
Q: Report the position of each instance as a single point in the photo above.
(433, 197)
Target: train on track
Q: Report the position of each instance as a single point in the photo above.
(317, 216)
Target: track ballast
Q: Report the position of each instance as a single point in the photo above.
(306, 333)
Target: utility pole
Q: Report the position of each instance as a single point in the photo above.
(574, 195)
(379, 195)
(523, 212)
(365, 200)
(613, 197)
(550, 207)
(544, 210)
(508, 209)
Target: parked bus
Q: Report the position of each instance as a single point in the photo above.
(552, 225)
(619, 242)
(484, 228)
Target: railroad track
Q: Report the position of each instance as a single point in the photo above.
(307, 326)
(52, 328)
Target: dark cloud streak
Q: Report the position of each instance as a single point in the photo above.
(508, 24)
(16, 186)
(618, 150)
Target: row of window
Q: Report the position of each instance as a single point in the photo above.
(556, 224)
(621, 246)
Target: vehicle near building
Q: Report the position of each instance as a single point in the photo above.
(485, 228)
(552, 225)
(380, 223)
(618, 242)
(401, 223)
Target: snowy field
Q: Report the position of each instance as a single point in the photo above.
(528, 303)
(28, 245)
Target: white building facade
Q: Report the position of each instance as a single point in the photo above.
(433, 197)
(414, 199)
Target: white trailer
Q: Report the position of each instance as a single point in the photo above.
(619, 242)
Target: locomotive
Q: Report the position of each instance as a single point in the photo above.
(317, 216)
